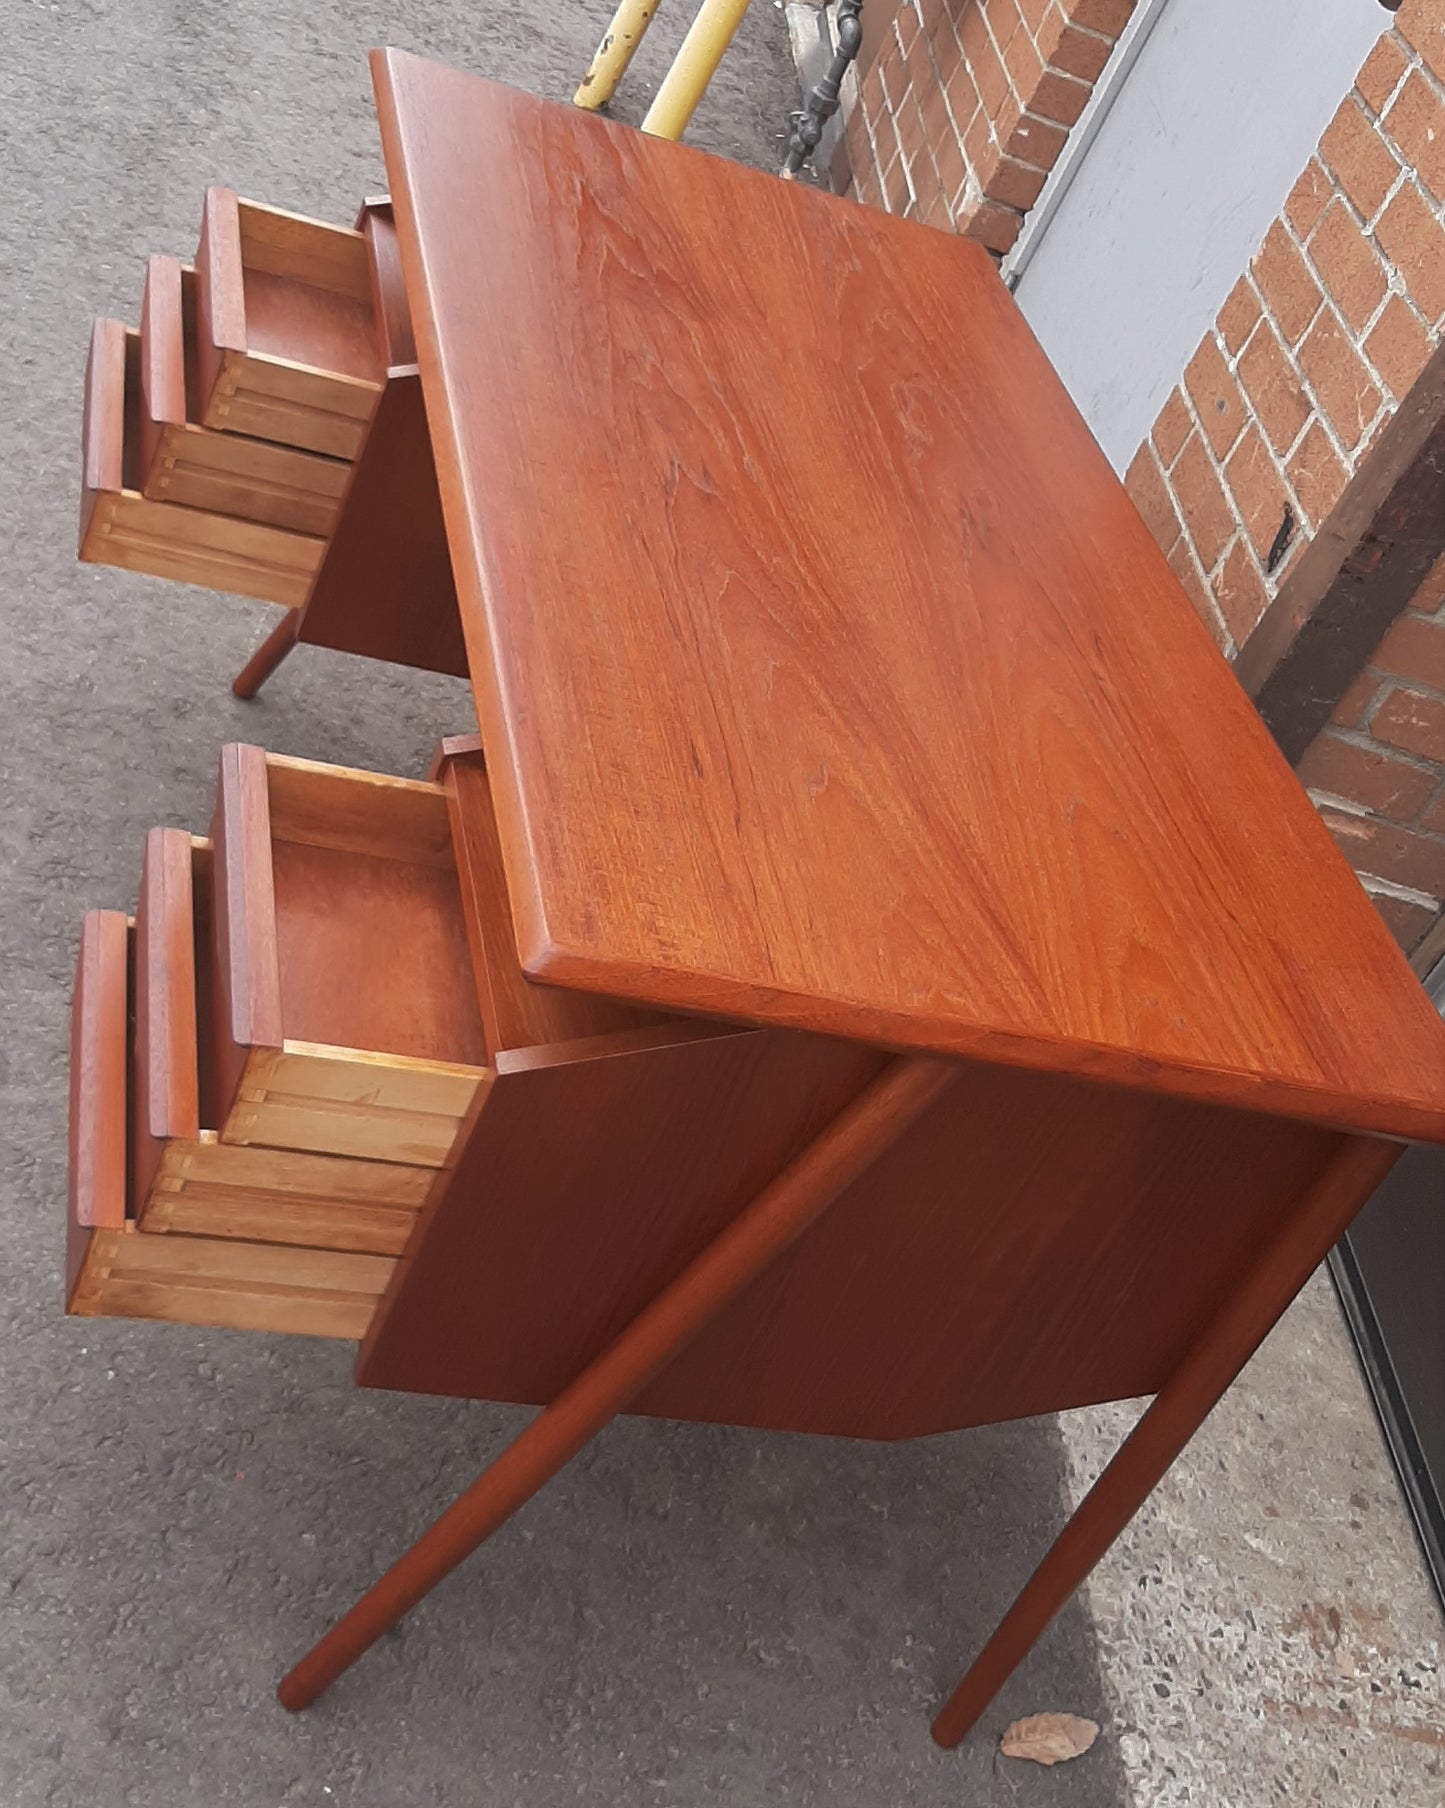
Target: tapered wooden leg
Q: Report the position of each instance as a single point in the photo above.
(1177, 1412)
(775, 1219)
(272, 650)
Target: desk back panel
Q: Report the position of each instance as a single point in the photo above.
(1034, 1243)
(385, 586)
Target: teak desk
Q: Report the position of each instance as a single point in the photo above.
(984, 1022)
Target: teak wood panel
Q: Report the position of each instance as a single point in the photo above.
(938, 755)
(116, 1269)
(1033, 1243)
(346, 1019)
(395, 339)
(120, 526)
(183, 462)
(385, 587)
(516, 1011)
(286, 339)
(185, 1178)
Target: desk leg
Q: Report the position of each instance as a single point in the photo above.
(1177, 1412)
(776, 1219)
(272, 650)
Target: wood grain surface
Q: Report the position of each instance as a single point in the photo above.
(385, 587)
(1032, 1243)
(183, 462)
(119, 526)
(826, 673)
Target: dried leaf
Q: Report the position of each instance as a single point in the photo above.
(1049, 1738)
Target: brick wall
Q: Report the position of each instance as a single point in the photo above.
(967, 105)
(1316, 346)
(1275, 420)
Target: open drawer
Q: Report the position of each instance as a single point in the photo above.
(184, 1177)
(121, 526)
(286, 340)
(345, 1014)
(114, 1267)
(184, 462)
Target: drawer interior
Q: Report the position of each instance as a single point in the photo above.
(307, 291)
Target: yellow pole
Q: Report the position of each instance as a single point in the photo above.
(614, 53)
(702, 50)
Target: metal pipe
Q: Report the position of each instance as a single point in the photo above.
(821, 101)
(614, 53)
(694, 67)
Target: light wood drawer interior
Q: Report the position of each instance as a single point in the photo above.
(120, 525)
(115, 1267)
(182, 461)
(344, 1020)
(287, 338)
(187, 1178)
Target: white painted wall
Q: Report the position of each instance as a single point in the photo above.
(1193, 159)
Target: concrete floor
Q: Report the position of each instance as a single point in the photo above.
(687, 1612)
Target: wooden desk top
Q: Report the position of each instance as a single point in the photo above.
(826, 674)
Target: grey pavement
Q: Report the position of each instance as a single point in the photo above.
(687, 1614)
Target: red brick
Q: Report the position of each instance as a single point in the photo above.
(1414, 650)
(1381, 73)
(1059, 98)
(948, 154)
(912, 138)
(1035, 12)
(1035, 142)
(1308, 198)
(973, 32)
(947, 51)
(926, 186)
(1290, 292)
(1258, 491)
(1434, 817)
(1196, 587)
(1015, 184)
(1431, 594)
(1238, 316)
(1200, 496)
(1421, 23)
(1399, 346)
(1272, 383)
(918, 60)
(1416, 122)
(989, 75)
(1338, 376)
(1216, 397)
(1024, 65)
(1405, 919)
(1081, 53)
(1150, 494)
(1378, 781)
(992, 225)
(1348, 264)
(1108, 16)
(1363, 165)
(1410, 720)
(896, 192)
(1412, 238)
(980, 152)
(1004, 22)
(906, 24)
(1171, 429)
(937, 120)
(963, 101)
(1354, 706)
(937, 213)
(1316, 475)
(1240, 592)
(1386, 851)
